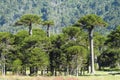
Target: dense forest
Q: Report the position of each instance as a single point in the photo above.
(62, 12)
(54, 54)
(59, 37)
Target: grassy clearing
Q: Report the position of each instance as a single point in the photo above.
(61, 78)
(100, 75)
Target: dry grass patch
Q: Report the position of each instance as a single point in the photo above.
(109, 77)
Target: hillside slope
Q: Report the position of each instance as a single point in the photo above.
(63, 12)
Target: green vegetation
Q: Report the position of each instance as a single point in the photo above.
(52, 48)
(108, 77)
(28, 20)
(48, 24)
(62, 12)
(67, 53)
(89, 22)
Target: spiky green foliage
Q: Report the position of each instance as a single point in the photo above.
(109, 58)
(113, 39)
(90, 21)
(72, 32)
(48, 23)
(28, 20)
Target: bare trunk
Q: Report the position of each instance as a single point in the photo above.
(55, 72)
(3, 69)
(3, 64)
(36, 70)
(89, 68)
(42, 72)
(48, 30)
(66, 71)
(77, 66)
(30, 28)
(91, 50)
(77, 71)
(23, 71)
(31, 70)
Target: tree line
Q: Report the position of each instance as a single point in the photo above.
(71, 52)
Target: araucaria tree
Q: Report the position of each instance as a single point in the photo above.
(89, 22)
(28, 20)
(48, 24)
(6, 44)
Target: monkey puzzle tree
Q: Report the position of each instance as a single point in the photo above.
(6, 42)
(89, 22)
(28, 20)
(76, 56)
(48, 23)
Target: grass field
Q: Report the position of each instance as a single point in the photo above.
(61, 78)
(98, 76)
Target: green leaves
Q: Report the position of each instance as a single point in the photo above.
(38, 57)
(91, 20)
(77, 50)
(48, 22)
(109, 58)
(17, 65)
(72, 32)
(113, 39)
(6, 37)
(29, 18)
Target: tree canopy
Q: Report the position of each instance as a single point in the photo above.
(70, 52)
(28, 20)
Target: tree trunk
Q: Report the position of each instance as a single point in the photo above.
(42, 72)
(3, 70)
(89, 68)
(31, 70)
(91, 50)
(36, 70)
(3, 64)
(81, 71)
(30, 28)
(52, 70)
(48, 30)
(77, 72)
(23, 71)
(55, 72)
(89, 65)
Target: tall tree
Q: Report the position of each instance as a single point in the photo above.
(6, 40)
(48, 24)
(76, 56)
(56, 56)
(75, 43)
(28, 20)
(89, 22)
(32, 48)
(19, 40)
